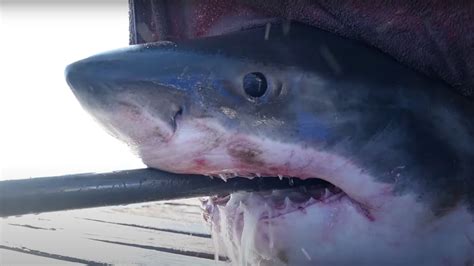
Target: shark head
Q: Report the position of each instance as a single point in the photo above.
(394, 149)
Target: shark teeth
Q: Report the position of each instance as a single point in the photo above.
(223, 177)
(287, 203)
(274, 204)
(281, 199)
(327, 194)
(229, 173)
(291, 181)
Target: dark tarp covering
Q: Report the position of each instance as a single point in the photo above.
(435, 37)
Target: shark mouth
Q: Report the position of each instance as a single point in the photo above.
(212, 151)
(287, 201)
(253, 227)
(248, 225)
(203, 146)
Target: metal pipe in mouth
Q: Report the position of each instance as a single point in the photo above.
(46, 194)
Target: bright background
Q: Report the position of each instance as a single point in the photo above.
(43, 129)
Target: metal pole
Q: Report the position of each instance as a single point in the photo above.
(77, 191)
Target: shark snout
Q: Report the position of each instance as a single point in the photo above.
(136, 69)
(132, 92)
(93, 78)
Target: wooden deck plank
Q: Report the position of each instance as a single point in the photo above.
(9, 257)
(164, 233)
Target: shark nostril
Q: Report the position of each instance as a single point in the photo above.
(179, 112)
(176, 116)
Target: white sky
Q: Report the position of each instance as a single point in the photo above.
(43, 129)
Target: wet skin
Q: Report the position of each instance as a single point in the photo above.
(397, 147)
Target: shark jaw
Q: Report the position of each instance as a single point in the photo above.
(298, 226)
(309, 225)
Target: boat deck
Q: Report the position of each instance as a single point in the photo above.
(156, 233)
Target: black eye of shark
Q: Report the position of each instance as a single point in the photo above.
(255, 84)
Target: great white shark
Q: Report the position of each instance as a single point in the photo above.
(394, 148)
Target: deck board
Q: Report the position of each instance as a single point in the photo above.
(158, 233)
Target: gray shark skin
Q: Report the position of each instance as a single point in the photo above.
(396, 147)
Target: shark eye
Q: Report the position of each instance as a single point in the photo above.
(255, 84)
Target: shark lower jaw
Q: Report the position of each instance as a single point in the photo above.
(252, 228)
